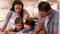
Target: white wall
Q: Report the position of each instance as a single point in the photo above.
(59, 16)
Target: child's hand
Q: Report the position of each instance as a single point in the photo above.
(20, 32)
(30, 33)
(2, 29)
(11, 33)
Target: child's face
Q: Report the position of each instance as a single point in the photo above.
(28, 27)
(19, 26)
(17, 8)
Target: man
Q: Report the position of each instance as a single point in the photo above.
(48, 19)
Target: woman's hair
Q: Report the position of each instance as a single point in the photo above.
(19, 20)
(18, 3)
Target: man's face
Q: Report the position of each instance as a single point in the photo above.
(43, 13)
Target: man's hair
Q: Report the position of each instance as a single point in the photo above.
(30, 22)
(44, 6)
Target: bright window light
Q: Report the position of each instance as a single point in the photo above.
(43, 0)
(54, 6)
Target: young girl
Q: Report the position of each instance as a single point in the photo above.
(19, 26)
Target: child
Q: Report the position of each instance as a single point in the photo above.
(29, 26)
(19, 26)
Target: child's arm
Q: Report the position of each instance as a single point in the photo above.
(21, 32)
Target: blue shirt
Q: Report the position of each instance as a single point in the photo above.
(27, 31)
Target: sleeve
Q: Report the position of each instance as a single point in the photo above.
(56, 21)
(33, 30)
(39, 17)
(26, 12)
(24, 29)
(7, 18)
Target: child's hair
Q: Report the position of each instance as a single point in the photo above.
(19, 20)
(30, 22)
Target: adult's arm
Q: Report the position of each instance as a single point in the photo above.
(56, 23)
(6, 19)
(38, 27)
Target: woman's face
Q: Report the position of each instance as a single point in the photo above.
(17, 8)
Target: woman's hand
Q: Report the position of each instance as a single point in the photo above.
(1, 30)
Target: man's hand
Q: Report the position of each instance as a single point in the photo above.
(38, 27)
(41, 32)
(2, 29)
(55, 31)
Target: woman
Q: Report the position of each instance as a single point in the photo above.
(16, 11)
